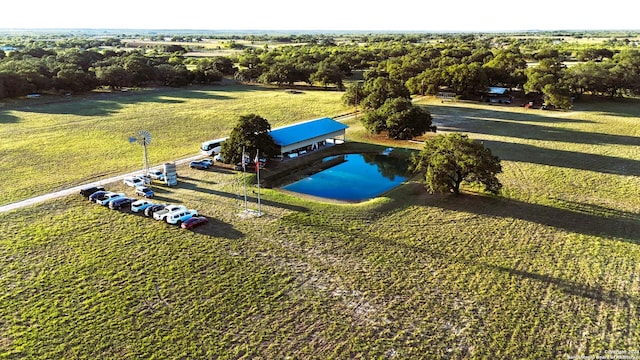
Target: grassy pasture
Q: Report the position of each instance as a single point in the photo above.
(208, 47)
(547, 270)
(53, 145)
(587, 156)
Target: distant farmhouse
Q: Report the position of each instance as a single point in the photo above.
(498, 95)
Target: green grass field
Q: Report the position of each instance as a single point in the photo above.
(549, 269)
(52, 145)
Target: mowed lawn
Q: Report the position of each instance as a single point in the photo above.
(548, 269)
(52, 144)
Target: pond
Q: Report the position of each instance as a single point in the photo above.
(353, 177)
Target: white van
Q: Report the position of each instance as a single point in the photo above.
(212, 147)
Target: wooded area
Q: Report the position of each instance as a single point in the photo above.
(557, 67)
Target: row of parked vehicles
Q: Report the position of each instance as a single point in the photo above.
(204, 164)
(172, 214)
(141, 184)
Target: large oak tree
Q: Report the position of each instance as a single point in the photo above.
(448, 160)
(251, 133)
(399, 118)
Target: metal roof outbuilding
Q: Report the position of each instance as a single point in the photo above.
(497, 90)
(306, 133)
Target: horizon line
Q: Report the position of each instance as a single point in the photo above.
(115, 29)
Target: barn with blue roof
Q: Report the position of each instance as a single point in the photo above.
(309, 135)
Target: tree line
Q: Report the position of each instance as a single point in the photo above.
(33, 69)
(464, 64)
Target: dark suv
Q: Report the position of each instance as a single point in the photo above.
(124, 202)
(97, 195)
(87, 191)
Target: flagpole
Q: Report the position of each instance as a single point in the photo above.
(258, 172)
(244, 172)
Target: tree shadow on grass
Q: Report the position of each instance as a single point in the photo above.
(215, 169)
(160, 199)
(194, 187)
(562, 158)
(627, 107)
(221, 170)
(104, 104)
(5, 118)
(620, 224)
(581, 218)
(200, 94)
(454, 115)
(182, 178)
(541, 132)
(521, 125)
(570, 287)
(89, 106)
(217, 228)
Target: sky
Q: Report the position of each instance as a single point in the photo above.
(334, 15)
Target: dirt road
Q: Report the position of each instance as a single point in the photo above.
(76, 189)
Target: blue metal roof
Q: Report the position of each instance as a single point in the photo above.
(496, 90)
(300, 132)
